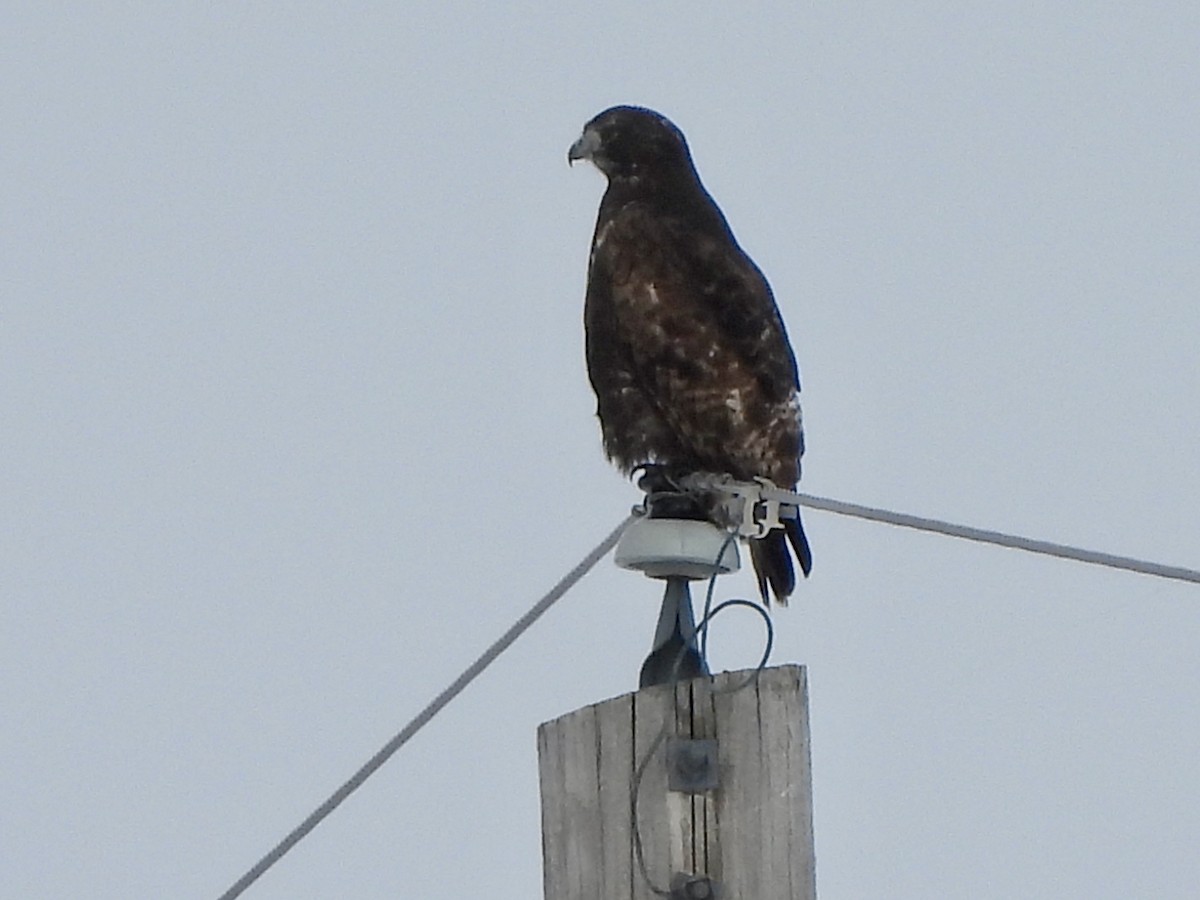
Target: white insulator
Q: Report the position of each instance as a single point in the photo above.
(665, 548)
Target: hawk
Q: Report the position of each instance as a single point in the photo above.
(686, 350)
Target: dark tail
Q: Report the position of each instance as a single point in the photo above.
(772, 560)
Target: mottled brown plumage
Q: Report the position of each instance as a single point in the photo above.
(686, 350)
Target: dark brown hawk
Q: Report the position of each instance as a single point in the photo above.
(686, 350)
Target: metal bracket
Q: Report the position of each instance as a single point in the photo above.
(692, 766)
(692, 887)
(750, 508)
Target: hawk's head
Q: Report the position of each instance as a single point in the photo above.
(629, 142)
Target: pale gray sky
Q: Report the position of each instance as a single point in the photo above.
(295, 422)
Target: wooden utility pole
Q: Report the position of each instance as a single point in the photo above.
(737, 830)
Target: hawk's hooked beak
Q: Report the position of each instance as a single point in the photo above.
(585, 147)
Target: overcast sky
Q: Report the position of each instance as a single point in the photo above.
(294, 422)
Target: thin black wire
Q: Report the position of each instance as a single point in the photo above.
(730, 539)
(639, 772)
(423, 717)
(635, 789)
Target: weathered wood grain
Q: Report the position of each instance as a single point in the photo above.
(752, 835)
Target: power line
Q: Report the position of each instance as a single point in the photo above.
(825, 504)
(469, 674)
(1047, 548)
(753, 507)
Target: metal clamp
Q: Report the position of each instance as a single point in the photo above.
(692, 887)
(750, 508)
(692, 766)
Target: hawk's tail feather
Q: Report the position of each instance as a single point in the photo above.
(772, 560)
(758, 558)
(773, 566)
(795, 533)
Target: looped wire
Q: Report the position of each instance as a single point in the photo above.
(710, 613)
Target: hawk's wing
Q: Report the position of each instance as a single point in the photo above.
(687, 351)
